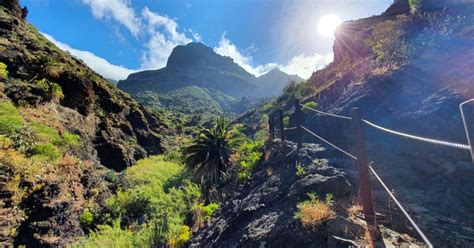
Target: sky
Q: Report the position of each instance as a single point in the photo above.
(119, 37)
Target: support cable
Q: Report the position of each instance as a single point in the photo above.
(329, 143)
(423, 236)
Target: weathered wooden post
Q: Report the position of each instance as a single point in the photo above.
(299, 123)
(363, 168)
(271, 126)
(282, 125)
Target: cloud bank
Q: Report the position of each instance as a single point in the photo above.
(159, 35)
(300, 65)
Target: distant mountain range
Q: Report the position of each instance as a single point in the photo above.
(208, 74)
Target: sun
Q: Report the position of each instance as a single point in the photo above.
(328, 24)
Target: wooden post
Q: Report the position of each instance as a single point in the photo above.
(282, 125)
(271, 126)
(299, 124)
(363, 168)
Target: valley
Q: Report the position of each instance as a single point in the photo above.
(203, 153)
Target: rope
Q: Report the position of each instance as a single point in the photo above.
(329, 143)
(291, 128)
(427, 140)
(325, 113)
(423, 236)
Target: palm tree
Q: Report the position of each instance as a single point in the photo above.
(209, 155)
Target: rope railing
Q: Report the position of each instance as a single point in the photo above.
(329, 143)
(422, 139)
(418, 230)
(397, 133)
(325, 113)
(405, 213)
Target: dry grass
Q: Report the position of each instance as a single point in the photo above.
(314, 212)
(354, 210)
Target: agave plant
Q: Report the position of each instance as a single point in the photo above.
(209, 155)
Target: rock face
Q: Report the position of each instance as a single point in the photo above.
(117, 131)
(199, 66)
(261, 213)
(420, 97)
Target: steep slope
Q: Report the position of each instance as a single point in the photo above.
(408, 72)
(117, 130)
(60, 123)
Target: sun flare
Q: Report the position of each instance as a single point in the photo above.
(328, 24)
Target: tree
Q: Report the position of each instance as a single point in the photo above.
(209, 155)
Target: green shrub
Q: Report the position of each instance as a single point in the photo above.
(300, 171)
(71, 139)
(414, 4)
(156, 199)
(86, 218)
(248, 154)
(3, 71)
(10, 119)
(308, 105)
(286, 121)
(48, 151)
(209, 210)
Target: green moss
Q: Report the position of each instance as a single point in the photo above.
(48, 151)
(46, 134)
(10, 118)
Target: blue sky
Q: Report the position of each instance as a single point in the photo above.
(117, 37)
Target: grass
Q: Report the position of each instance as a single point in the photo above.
(10, 119)
(155, 201)
(313, 212)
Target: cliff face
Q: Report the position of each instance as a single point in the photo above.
(117, 130)
(413, 86)
(59, 123)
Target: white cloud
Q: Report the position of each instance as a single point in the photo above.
(227, 48)
(300, 65)
(98, 64)
(164, 36)
(304, 66)
(119, 10)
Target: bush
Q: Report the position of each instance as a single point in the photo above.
(45, 134)
(155, 199)
(71, 139)
(308, 105)
(300, 171)
(246, 157)
(86, 218)
(3, 71)
(10, 119)
(314, 212)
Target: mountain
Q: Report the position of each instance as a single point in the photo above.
(198, 66)
(64, 131)
(408, 70)
(273, 83)
(193, 65)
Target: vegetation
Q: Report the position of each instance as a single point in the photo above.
(10, 119)
(3, 71)
(209, 155)
(313, 212)
(388, 43)
(308, 105)
(246, 156)
(154, 201)
(300, 171)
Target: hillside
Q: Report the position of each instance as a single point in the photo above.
(194, 69)
(62, 128)
(407, 69)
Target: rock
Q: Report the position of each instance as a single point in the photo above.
(262, 212)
